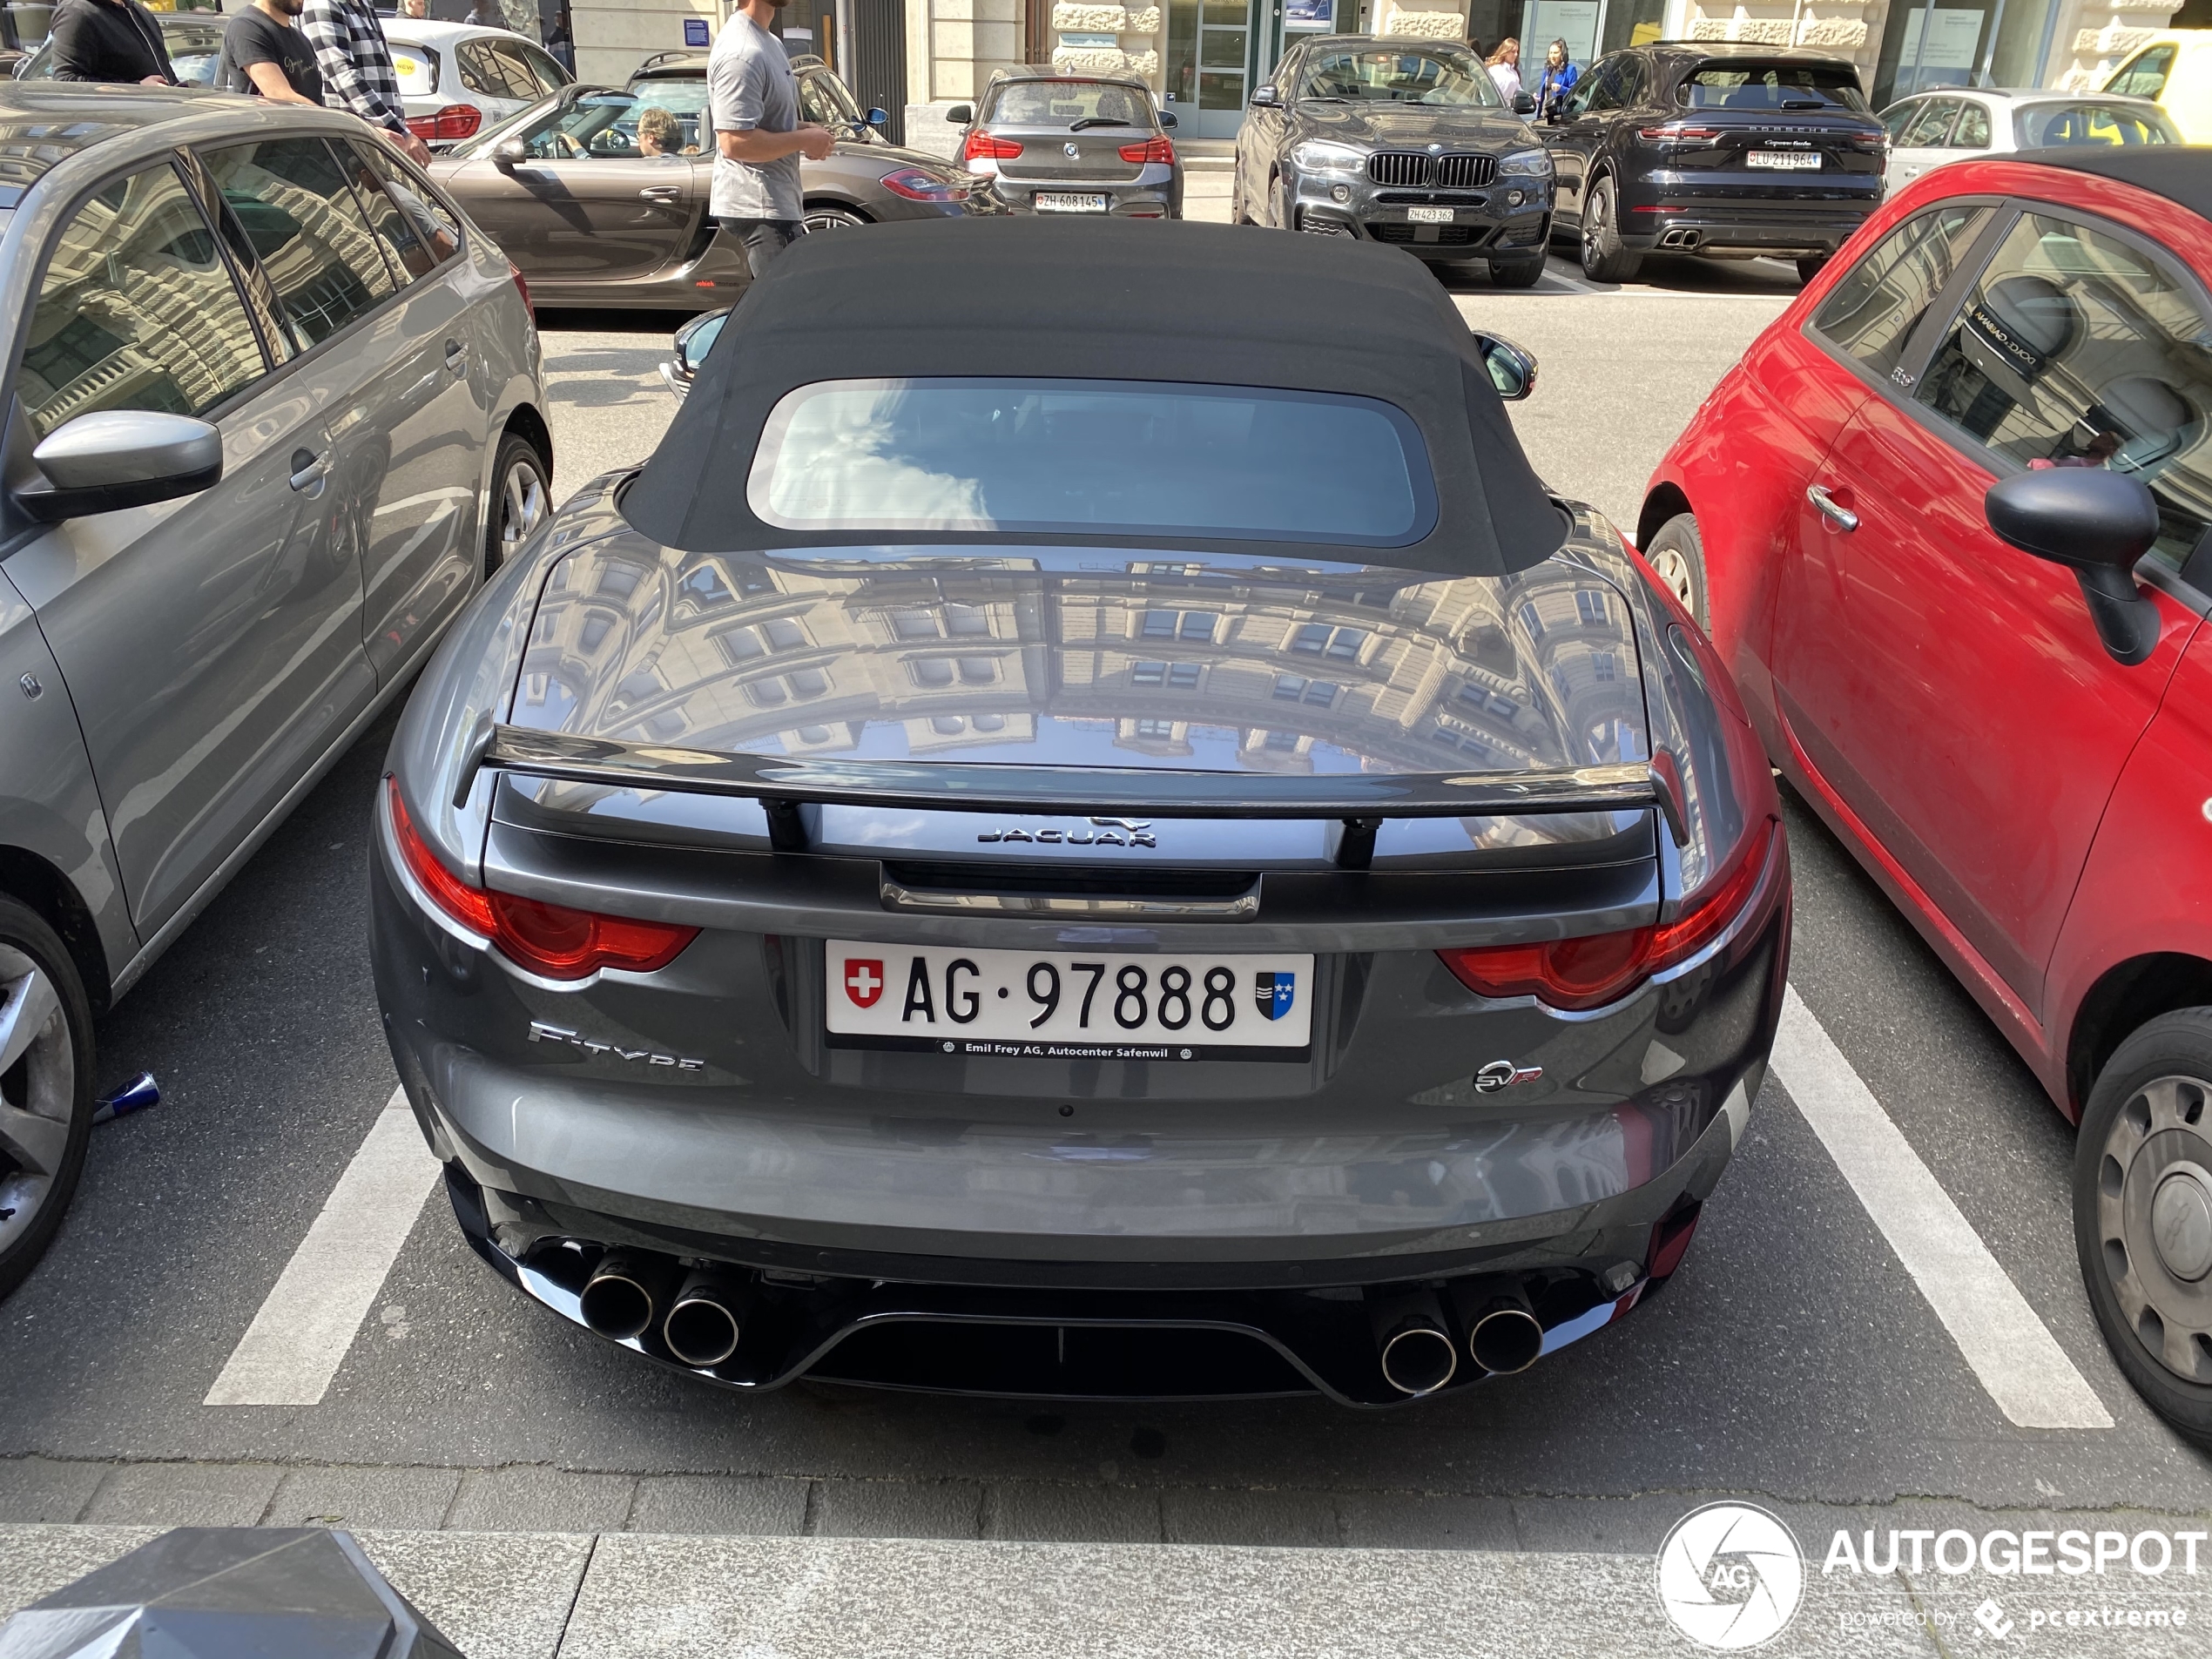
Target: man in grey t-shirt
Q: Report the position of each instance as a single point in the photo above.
(753, 99)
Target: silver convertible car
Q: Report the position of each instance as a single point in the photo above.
(1111, 861)
(271, 409)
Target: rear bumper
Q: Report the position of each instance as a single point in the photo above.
(1757, 226)
(1270, 1223)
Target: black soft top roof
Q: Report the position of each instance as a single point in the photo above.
(1104, 300)
(2181, 172)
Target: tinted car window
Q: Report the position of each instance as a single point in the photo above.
(440, 231)
(138, 310)
(1435, 76)
(404, 248)
(1059, 104)
(2091, 123)
(1772, 86)
(1929, 125)
(1600, 90)
(2076, 349)
(823, 100)
(298, 211)
(2144, 76)
(1089, 456)
(603, 126)
(417, 67)
(1973, 130)
(482, 72)
(1898, 117)
(1873, 310)
(523, 69)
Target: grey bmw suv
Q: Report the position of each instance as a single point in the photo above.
(1401, 141)
(271, 409)
(1101, 860)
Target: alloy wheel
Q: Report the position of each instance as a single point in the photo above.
(38, 1086)
(522, 506)
(832, 219)
(2155, 1221)
(1673, 573)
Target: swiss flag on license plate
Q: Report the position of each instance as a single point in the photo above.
(863, 981)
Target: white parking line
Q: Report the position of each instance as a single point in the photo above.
(2018, 1361)
(299, 1337)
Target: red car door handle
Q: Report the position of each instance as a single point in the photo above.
(1841, 517)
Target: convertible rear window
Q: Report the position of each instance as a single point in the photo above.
(1120, 458)
(1733, 85)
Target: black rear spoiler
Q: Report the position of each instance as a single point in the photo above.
(782, 784)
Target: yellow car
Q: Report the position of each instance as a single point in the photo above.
(2172, 69)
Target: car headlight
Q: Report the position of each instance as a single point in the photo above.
(1319, 155)
(1536, 163)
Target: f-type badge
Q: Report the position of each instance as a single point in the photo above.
(1274, 993)
(1503, 1074)
(541, 1031)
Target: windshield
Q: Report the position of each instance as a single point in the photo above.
(599, 126)
(1124, 457)
(1062, 103)
(1433, 76)
(1773, 86)
(2039, 125)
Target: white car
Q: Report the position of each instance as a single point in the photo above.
(1953, 123)
(457, 78)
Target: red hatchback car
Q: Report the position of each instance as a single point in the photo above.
(1948, 524)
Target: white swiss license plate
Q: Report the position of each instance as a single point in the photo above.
(1429, 215)
(1068, 1005)
(1068, 201)
(1785, 160)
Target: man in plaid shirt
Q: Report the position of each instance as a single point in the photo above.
(356, 65)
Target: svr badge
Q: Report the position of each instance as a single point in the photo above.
(1274, 993)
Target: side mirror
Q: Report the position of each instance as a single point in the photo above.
(1265, 98)
(2097, 524)
(960, 114)
(508, 152)
(116, 458)
(696, 338)
(1513, 368)
(1523, 104)
(1167, 120)
(877, 118)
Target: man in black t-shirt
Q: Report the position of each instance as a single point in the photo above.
(263, 52)
(109, 40)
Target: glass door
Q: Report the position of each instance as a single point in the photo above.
(1217, 51)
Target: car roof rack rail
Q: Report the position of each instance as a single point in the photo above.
(783, 783)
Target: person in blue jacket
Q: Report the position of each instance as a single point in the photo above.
(1559, 77)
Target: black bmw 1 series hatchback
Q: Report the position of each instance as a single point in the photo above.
(1058, 841)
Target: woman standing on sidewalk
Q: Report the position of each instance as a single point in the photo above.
(1558, 80)
(1504, 69)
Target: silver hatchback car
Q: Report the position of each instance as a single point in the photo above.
(1068, 142)
(272, 407)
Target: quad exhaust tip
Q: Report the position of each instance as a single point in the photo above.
(625, 1293)
(1506, 1338)
(1682, 241)
(706, 1321)
(1417, 1352)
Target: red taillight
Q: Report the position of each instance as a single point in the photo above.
(981, 146)
(916, 185)
(1152, 150)
(1675, 130)
(522, 286)
(454, 121)
(1599, 968)
(551, 941)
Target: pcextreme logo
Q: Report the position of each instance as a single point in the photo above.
(1731, 1576)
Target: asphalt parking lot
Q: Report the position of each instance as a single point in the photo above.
(1799, 1359)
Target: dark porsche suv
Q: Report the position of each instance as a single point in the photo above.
(1731, 152)
(1400, 141)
